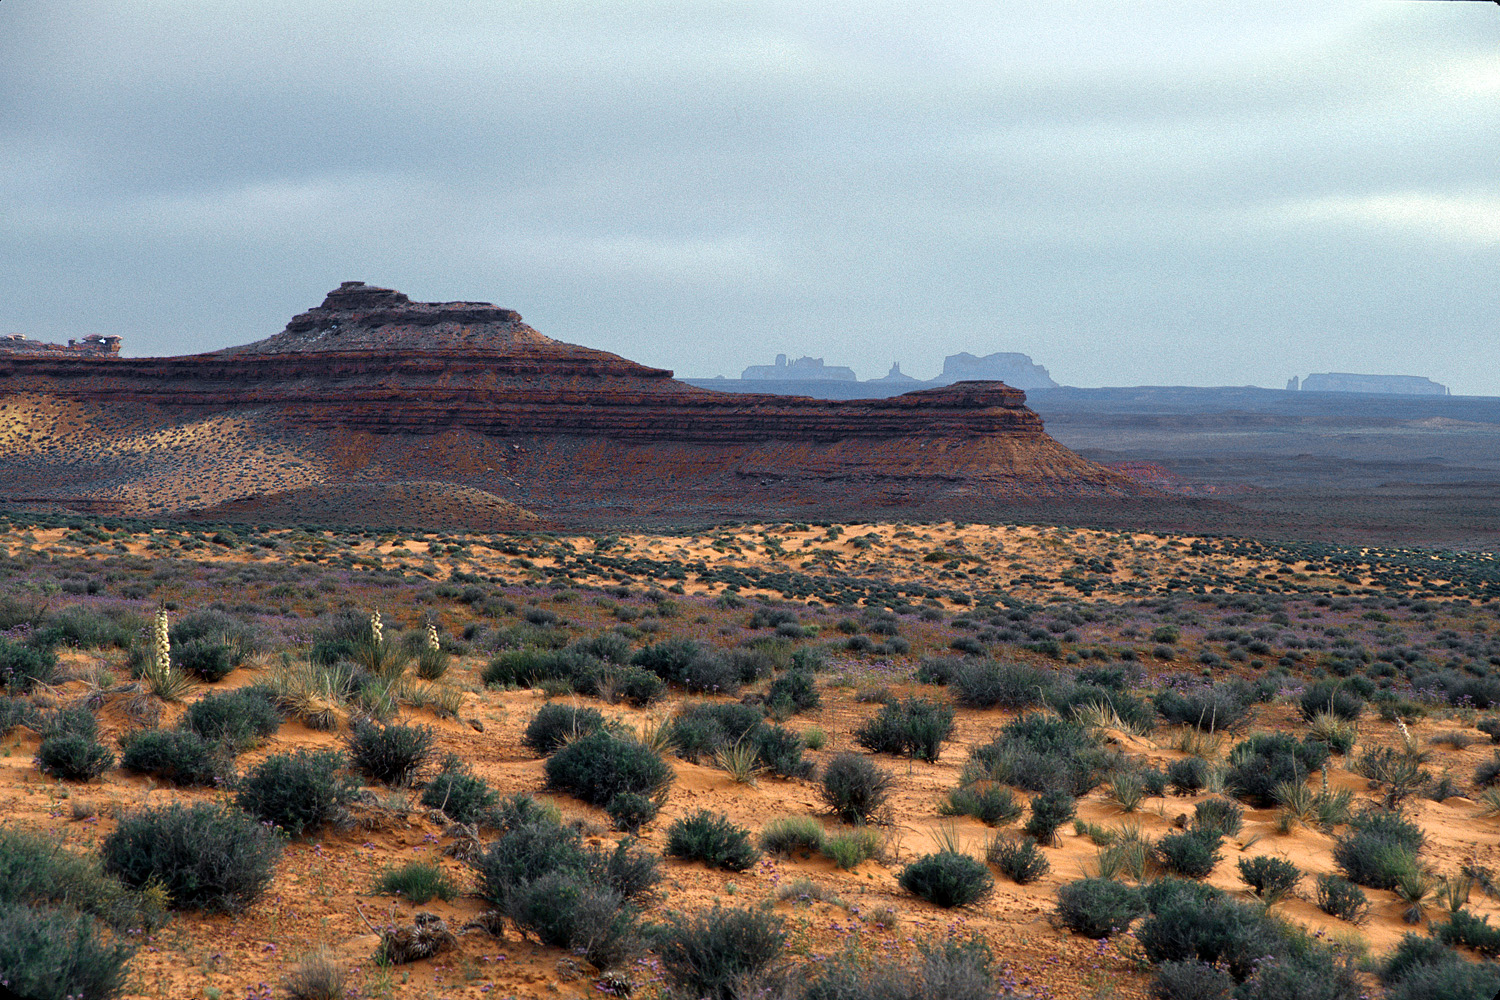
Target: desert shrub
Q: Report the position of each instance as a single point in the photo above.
(316, 976)
(1490, 727)
(1184, 926)
(630, 811)
(16, 712)
(389, 752)
(1339, 897)
(1070, 699)
(797, 690)
(243, 717)
(989, 684)
(73, 757)
(639, 687)
(209, 661)
(461, 796)
(180, 756)
(601, 765)
(1021, 860)
(1191, 981)
(1448, 981)
(299, 791)
(915, 727)
(567, 910)
(555, 724)
(1310, 974)
(1471, 931)
(1413, 952)
(1208, 707)
(35, 871)
(519, 667)
(792, 836)
(779, 750)
(947, 879)
(1269, 878)
(854, 787)
(1265, 760)
(82, 628)
(1049, 810)
(937, 669)
(1154, 781)
(854, 847)
(1331, 697)
(232, 639)
(712, 839)
(716, 953)
(1037, 752)
(702, 729)
(749, 665)
(1219, 817)
(688, 664)
(525, 852)
(991, 804)
(206, 856)
(1378, 848)
(1191, 854)
(47, 953)
(1188, 775)
(1098, 907)
(418, 882)
(23, 667)
(1488, 772)
(1339, 734)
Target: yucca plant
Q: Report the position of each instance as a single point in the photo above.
(444, 700)
(157, 672)
(312, 693)
(385, 660)
(1296, 800)
(740, 760)
(1489, 802)
(432, 662)
(1102, 715)
(1413, 886)
(1338, 733)
(656, 735)
(1127, 789)
(1453, 894)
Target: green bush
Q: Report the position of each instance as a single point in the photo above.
(851, 849)
(1040, 752)
(1471, 931)
(1188, 775)
(418, 882)
(1021, 861)
(1188, 927)
(631, 811)
(34, 870)
(988, 684)
(686, 663)
(1210, 707)
(947, 879)
(601, 765)
(717, 954)
(639, 687)
(792, 836)
(244, 717)
(1378, 848)
(389, 752)
(24, 667)
(299, 791)
(1314, 973)
(796, 690)
(48, 953)
(207, 660)
(1265, 760)
(1219, 817)
(992, 805)
(1191, 981)
(1333, 698)
(779, 750)
(567, 910)
(85, 628)
(854, 788)
(555, 724)
(179, 756)
(1339, 897)
(1413, 952)
(1269, 878)
(1049, 810)
(915, 727)
(210, 628)
(73, 757)
(1448, 981)
(712, 839)
(702, 729)
(206, 857)
(1191, 854)
(461, 796)
(16, 712)
(1098, 907)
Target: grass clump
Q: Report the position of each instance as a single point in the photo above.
(854, 788)
(418, 882)
(1098, 907)
(947, 879)
(991, 684)
(206, 856)
(713, 839)
(853, 848)
(1218, 817)
(316, 976)
(390, 753)
(299, 791)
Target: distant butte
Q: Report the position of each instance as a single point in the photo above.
(372, 390)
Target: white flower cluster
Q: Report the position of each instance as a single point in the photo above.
(432, 637)
(375, 630)
(161, 644)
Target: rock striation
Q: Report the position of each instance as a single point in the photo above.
(372, 387)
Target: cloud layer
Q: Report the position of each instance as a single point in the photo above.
(1131, 193)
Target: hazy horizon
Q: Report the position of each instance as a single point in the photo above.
(1163, 194)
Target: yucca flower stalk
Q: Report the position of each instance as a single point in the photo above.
(164, 682)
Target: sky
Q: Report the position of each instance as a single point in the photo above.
(1131, 193)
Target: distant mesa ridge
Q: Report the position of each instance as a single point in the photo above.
(1395, 385)
(802, 368)
(371, 386)
(1015, 370)
(95, 345)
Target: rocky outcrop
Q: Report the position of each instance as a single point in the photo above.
(371, 387)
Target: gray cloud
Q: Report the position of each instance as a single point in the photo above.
(1160, 193)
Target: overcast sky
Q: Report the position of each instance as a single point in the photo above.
(1132, 193)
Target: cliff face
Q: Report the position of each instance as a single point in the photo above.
(370, 387)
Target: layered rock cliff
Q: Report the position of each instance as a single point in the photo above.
(370, 387)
